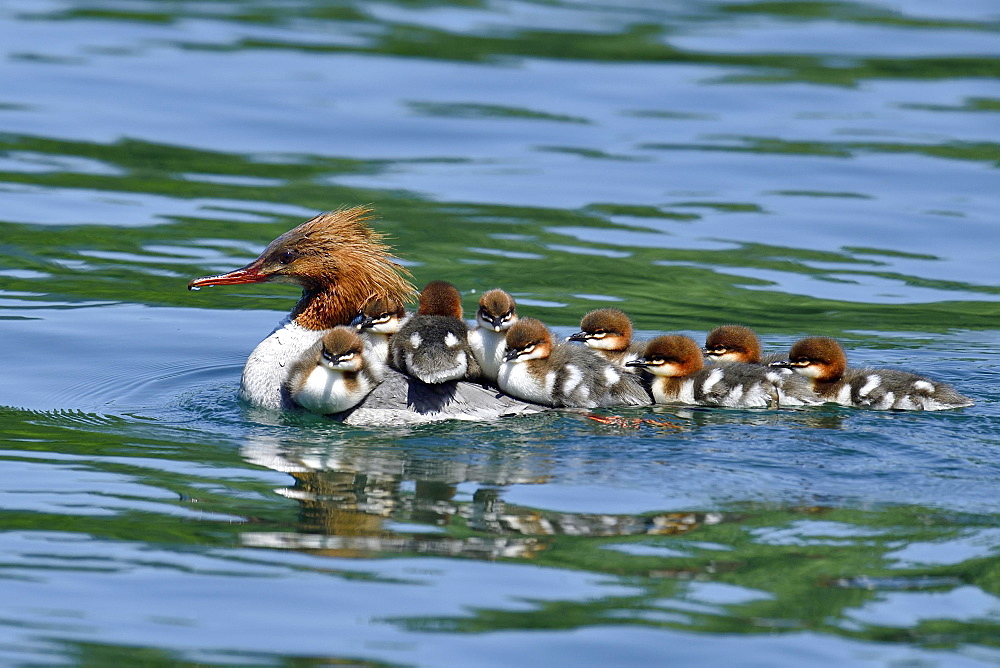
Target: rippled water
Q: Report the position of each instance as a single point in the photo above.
(801, 167)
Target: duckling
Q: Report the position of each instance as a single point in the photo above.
(335, 374)
(378, 321)
(433, 345)
(497, 313)
(608, 332)
(736, 343)
(681, 377)
(823, 361)
(562, 375)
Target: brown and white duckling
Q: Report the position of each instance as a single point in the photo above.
(823, 361)
(433, 345)
(378, 321)
(335, 374)
(736, 343)
(608, 332)
(496, 314)
(680, 377)
(562, 375)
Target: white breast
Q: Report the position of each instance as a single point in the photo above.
(488, 347)
(326, 391)
(267, 367)
(514, 379)
(376, 346)
(667, 391)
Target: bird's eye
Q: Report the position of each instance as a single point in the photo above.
(287, 257)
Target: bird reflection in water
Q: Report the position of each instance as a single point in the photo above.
(358, 501)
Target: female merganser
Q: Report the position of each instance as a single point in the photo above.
(608, 332)
(681, 377)
(562, 375)
(335, 374)
(496, 314)
(823, 361)
(377, 322)
(736, 343)
(341, 264)
(433, 345)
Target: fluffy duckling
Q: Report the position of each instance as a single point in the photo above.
(608, 332)
(334, 374)
(433, 345)
(681, 377)
(823, 361)
(736, 343)
(378, 321)
(562, 375)
(497, 313)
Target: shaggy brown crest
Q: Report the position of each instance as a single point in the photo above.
(734, 339)
(440, 298)
(340, 262)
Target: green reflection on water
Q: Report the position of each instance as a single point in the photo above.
(663, 287)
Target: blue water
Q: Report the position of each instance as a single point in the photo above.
(801, 167)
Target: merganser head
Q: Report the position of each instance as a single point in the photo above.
(733, 343)
(342, 350)
(440, 298)
(497, 311)
(817, 357)
(528, 339)
(381, 315)
(671, 355)
(335, 255)
(605, 329)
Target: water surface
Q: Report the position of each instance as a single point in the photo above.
(800, 167)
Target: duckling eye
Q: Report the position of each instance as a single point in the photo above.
(719, 350)
(527, 349)
(346, 357)
(599, 334)
(506, 316)
(383, 318)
